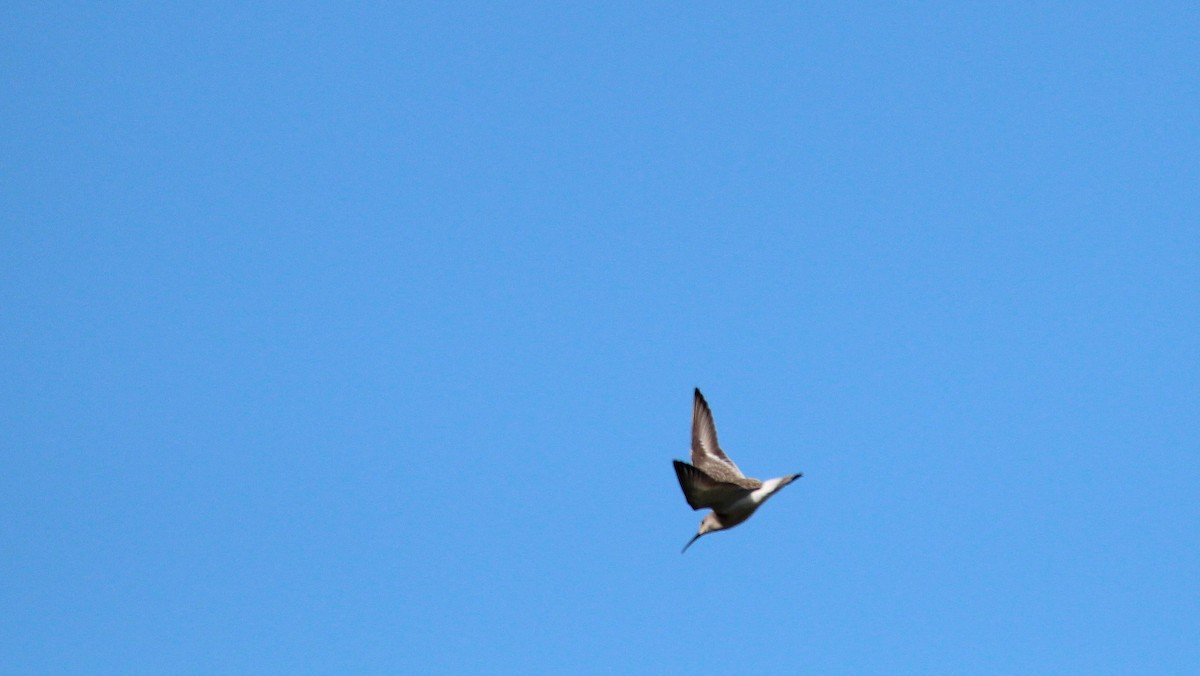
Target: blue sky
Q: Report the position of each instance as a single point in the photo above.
(360, 339)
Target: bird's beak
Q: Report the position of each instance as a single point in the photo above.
(689, 544)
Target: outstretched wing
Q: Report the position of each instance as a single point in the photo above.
(706, 452)
(701, 490)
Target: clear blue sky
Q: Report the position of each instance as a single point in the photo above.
(360, 339)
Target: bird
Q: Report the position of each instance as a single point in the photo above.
(713, 482)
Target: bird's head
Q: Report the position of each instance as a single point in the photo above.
(709, 524)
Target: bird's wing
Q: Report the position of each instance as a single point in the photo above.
(701, 490)
(706, 452)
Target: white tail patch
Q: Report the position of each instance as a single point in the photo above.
(769, 487)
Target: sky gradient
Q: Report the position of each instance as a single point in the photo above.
(360, 339)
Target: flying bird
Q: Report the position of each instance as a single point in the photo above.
(713, 482)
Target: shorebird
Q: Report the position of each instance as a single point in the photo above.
(712, 480)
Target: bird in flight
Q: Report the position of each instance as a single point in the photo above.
(712, 481)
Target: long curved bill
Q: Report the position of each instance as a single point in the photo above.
(689, 544)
